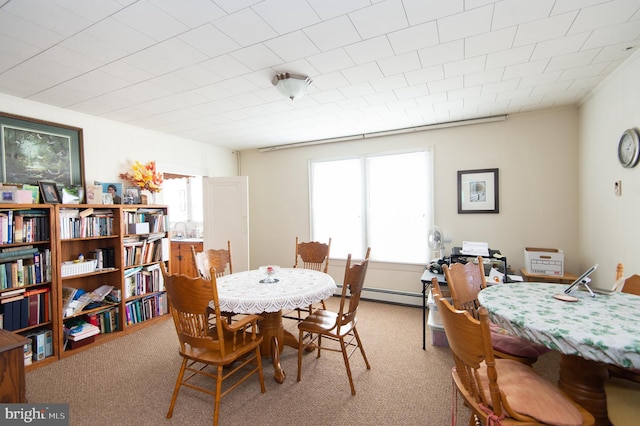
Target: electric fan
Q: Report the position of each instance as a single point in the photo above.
(435, 240)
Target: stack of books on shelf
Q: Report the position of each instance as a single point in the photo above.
(139, 250)
(81, 333)
(76, 223)
(74, 300)
(23, 226)
(24, 265)
(41, 344)
(156, 218)
(25, 307)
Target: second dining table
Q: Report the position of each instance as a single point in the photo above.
(248, 293)
(589, 333)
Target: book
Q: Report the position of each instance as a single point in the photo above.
(86, 212)
(68, 293)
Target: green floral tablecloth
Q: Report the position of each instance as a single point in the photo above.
(605, 329)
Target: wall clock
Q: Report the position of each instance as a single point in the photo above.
(629, 148)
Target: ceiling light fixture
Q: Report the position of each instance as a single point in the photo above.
(293, 86)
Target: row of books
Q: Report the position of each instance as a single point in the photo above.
(22, 308)
(158, 221)
(144, 309)
(107, 321)
(76, 223)
(24, 226)
(39, 347)
(106, 257)
(142, 280)
(139, 250)
(24, 265)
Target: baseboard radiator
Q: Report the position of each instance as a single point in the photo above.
(388, 296)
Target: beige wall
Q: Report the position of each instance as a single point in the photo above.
(535, 152)
(609, 225)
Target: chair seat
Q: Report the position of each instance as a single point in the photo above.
(623, 401)
(507, 343)
(324, 322)
(231, 354)
(530, 394)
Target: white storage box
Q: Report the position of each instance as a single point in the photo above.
(544, 261)
(139, 228)
(73, 268)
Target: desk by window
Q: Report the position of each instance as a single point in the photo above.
(426, 282)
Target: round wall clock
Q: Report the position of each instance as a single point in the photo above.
(629, 148)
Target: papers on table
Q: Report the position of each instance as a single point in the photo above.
(497, 277)
(471, 248)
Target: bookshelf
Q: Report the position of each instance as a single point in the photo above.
(97, 249)
(28, 292)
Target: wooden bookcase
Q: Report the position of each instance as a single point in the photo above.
(104, 239)
(27, 270)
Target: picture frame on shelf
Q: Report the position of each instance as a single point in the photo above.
(131, 195)
(35, 192)
(49, 192)
(8, 194)
(94, 194)
(116, 196)
(72, 195)
(478, 191)
(37, 150)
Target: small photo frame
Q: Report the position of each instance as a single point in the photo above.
(8, 194)
(131, 195)
(49, 191)
(478, 191)
(113, 189)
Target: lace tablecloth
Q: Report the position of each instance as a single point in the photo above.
(603, 329)
(243, 292)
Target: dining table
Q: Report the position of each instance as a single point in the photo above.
(590, 333)
(256, 292)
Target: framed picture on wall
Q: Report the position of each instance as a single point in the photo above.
(478, 191)
(34, 150)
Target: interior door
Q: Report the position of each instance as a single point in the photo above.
(226, 217)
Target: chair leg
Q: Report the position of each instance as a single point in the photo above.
(177, 388)
(216, 403)
(366, 361)
(260, 373)
(345, 356)
(300, 345)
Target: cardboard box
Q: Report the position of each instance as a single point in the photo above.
(544, 261)
(139, 228)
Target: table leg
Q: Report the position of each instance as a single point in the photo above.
(583, 381)
(272, 333)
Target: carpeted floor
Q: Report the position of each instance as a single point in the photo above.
(129, 381)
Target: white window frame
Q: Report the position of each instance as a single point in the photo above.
(364, 171)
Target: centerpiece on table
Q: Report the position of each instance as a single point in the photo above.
(145, 177)
(269, 271)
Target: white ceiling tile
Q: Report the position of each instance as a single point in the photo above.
(502, 86)
(15, 27)
(409, 92)
(389, 83)
(49, 15)
(126, 72)
(559, 46)
(292, 46)
(193, 14)
(539, 79)
(298, 14)
(465, 24)
(544, 89)
(156, 23)
(446, 85)
(424, 75)
(120, 35)
(209, 40)
(562, 6)
(414, 38)
(86, 44)
(328, 9)
(583, 72)
(368, 23)
(468, 92)
(13, 52)
(226, 66)
(622, 33)
(369, 50)
(572, 60)
(334, 33)
(465, 66)
(399, 64)
(257, 57)
(331, 61)
(544, 29)
(245, 27)
(493, 41)
(419, 11)
(604, 15)
(442, 53)
(357, 90)
(515, 12)
(521, 70)
(381, 98)
(483, 77)
(362, 73)
(518, 55)
(614, 52)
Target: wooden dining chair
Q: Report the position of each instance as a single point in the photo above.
(499, 391)
(218, 259)
(310, 255)
(337, 326)
(465, 281)
(203, 345)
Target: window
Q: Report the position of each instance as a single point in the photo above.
(381, 201)
(184, 198)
